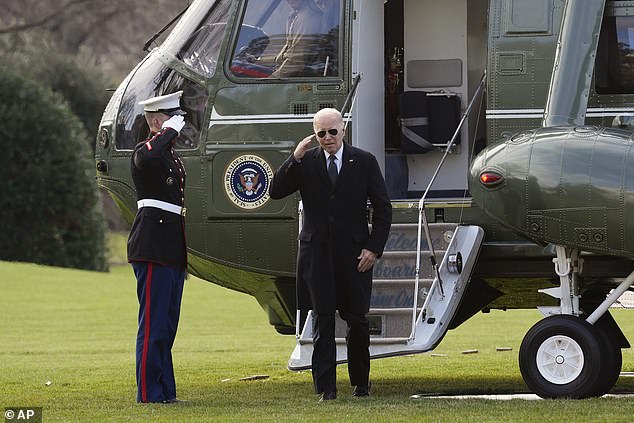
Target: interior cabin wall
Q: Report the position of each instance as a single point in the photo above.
(437, 30)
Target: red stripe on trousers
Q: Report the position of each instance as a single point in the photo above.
(146, 335)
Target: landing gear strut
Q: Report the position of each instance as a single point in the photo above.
(565, 354)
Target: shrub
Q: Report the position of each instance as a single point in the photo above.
(49, 209)
(82, 85)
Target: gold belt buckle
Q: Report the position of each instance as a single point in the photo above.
(183, 211)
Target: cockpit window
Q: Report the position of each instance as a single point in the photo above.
(288, 38)
(614, 70)
(202, 48)
(154, 79)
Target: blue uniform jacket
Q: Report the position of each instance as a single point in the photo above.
(158, 173)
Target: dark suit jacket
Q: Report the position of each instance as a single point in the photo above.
(335, 227)
(158, 173)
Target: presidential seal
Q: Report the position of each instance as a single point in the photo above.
(247, 181)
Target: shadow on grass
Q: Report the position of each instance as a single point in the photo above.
(270, 393)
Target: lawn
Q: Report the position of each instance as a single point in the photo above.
(68, 341)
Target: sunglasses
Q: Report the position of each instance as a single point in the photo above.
(332, 132)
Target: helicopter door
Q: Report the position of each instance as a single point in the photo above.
(282, 66)
(429, 82)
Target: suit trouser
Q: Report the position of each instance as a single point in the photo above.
(324, 359)
(159, 290)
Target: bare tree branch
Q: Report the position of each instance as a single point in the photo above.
(42, 21)
(108, 33)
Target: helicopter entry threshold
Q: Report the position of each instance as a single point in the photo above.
(400, 330)
(440, 298)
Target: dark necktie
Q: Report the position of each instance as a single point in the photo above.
(332, 168)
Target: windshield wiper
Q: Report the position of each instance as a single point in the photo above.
(158, 34)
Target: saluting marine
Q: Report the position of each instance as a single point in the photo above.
(157, 248)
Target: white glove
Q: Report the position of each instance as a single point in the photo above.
(176, 122)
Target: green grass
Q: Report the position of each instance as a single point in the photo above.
(116, 243)
(77, 330)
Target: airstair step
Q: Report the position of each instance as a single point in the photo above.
(392, 311)
(373, 340)
(376, 282)
(384, 323)
(398, 296)
(402, 265)
(404, 236)
(391, 316)
(394, 255)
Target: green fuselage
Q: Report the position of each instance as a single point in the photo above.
(241, 127)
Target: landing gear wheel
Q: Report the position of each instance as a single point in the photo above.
(612, 359)
(561, 356)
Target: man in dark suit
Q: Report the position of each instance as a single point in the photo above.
(156, 247)
(337, 250)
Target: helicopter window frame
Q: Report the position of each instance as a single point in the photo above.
(201, 50)
(249, 71)
(193, 18)
(614, 64)
(154, 78)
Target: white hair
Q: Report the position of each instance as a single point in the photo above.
(328, 112)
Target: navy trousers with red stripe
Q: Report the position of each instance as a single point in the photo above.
(159, 289)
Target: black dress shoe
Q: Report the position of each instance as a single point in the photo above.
(328, 396)
(361, 391)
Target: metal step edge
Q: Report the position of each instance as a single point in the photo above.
(408, 253)
(373, 340)
(415, 225)
(401, 281)
(399, 310)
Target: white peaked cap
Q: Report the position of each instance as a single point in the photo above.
(168, 104)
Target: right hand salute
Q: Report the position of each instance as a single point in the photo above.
(302, 147)
(176, 122)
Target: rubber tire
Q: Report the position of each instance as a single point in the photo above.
(589, 340)
(611, 362)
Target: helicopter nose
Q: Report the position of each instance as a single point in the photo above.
(561, 185)
(495, 182)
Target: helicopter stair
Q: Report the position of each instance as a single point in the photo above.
(394, 327)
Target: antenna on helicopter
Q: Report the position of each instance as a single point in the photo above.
(158, 34)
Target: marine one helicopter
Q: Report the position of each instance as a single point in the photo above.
(504, 131)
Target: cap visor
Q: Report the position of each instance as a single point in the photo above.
(174, 112)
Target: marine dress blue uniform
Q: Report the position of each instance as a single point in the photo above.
(157, 252)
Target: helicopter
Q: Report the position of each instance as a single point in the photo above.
(503, 129)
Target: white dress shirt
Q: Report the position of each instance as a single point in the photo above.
(338, 155)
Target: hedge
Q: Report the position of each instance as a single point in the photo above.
(49, 208)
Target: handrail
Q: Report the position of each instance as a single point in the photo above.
(300, 224)
(353, 90)
(422, 221)
(351, 95)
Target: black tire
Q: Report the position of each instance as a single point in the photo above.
(561, 357)
(611, 361)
